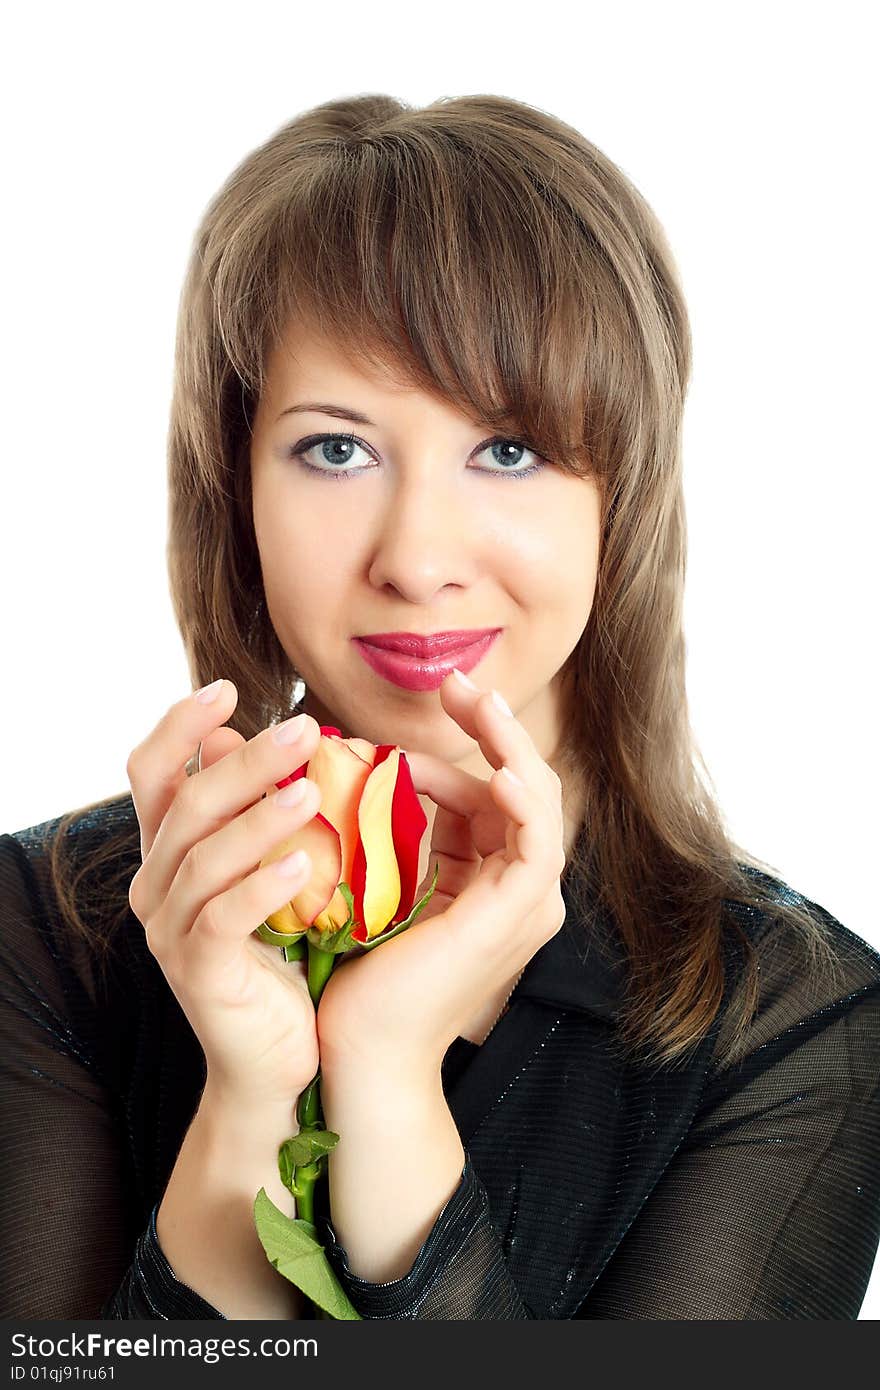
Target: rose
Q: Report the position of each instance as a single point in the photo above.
(364, 849)
(363, 845)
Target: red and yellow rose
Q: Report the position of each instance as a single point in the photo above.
(363, 844)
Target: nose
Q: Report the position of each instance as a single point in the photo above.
(427, 535)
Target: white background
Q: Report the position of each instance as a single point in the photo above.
(749, 129)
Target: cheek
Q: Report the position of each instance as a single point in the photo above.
(293, 517)
(305, 571)
(298, 579)
(288, 551)
(552, 562)
(560, 571)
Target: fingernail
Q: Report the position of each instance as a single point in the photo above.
(292, 793)
(460, 676)
(500, 703)
(293, 864)
(512, 775)
(208, 693)
(290, 730)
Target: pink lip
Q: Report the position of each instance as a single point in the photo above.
(413, 673)
(426, 646)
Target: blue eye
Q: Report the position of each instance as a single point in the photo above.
(305, 446)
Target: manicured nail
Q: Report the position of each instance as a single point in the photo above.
(460, 676)
(293, 864)
(208, 693)
(290, 730)
(500, 703)
(292, 793)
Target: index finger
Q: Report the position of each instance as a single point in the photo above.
(156, 767)
(448, 785)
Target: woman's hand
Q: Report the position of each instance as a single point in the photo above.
(500, 848)
(200, 895)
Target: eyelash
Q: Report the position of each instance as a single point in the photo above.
(299, 450)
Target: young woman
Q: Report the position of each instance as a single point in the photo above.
(430, 377)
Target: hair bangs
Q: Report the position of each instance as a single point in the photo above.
(433, 268)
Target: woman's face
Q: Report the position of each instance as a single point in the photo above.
(427, 529)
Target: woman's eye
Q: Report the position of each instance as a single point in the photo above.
(334, 452)
(507, 453)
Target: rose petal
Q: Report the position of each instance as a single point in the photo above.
(375, 881)
(341, 774)
(320, 893)
(408, 823)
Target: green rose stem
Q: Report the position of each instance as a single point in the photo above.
(309, 1113)
(292, 1245)
(320, 965)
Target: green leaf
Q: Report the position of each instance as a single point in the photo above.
(306, 1146)
(291, 1245)
(402, 926)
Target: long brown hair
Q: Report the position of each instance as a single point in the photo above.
(480, 248)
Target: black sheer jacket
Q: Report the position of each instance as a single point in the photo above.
(741, 1184)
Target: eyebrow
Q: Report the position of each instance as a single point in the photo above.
(340, 412)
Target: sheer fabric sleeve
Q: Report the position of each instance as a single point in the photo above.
(459, 1274)
(64, 1246)
(771, 1207)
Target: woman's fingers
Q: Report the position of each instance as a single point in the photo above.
(467, 825)
(454, 854)
(533, 837)
(214, 796)
(217, 745)
(156, 768)
(503, 740)
(516, 891)
(447, 785)
(201, 892)
(200, 895)
(516, 830)
(515, 879)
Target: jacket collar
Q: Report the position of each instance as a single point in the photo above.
(583, 966)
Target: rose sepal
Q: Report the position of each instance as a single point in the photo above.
(277, 938)
(335, 939)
